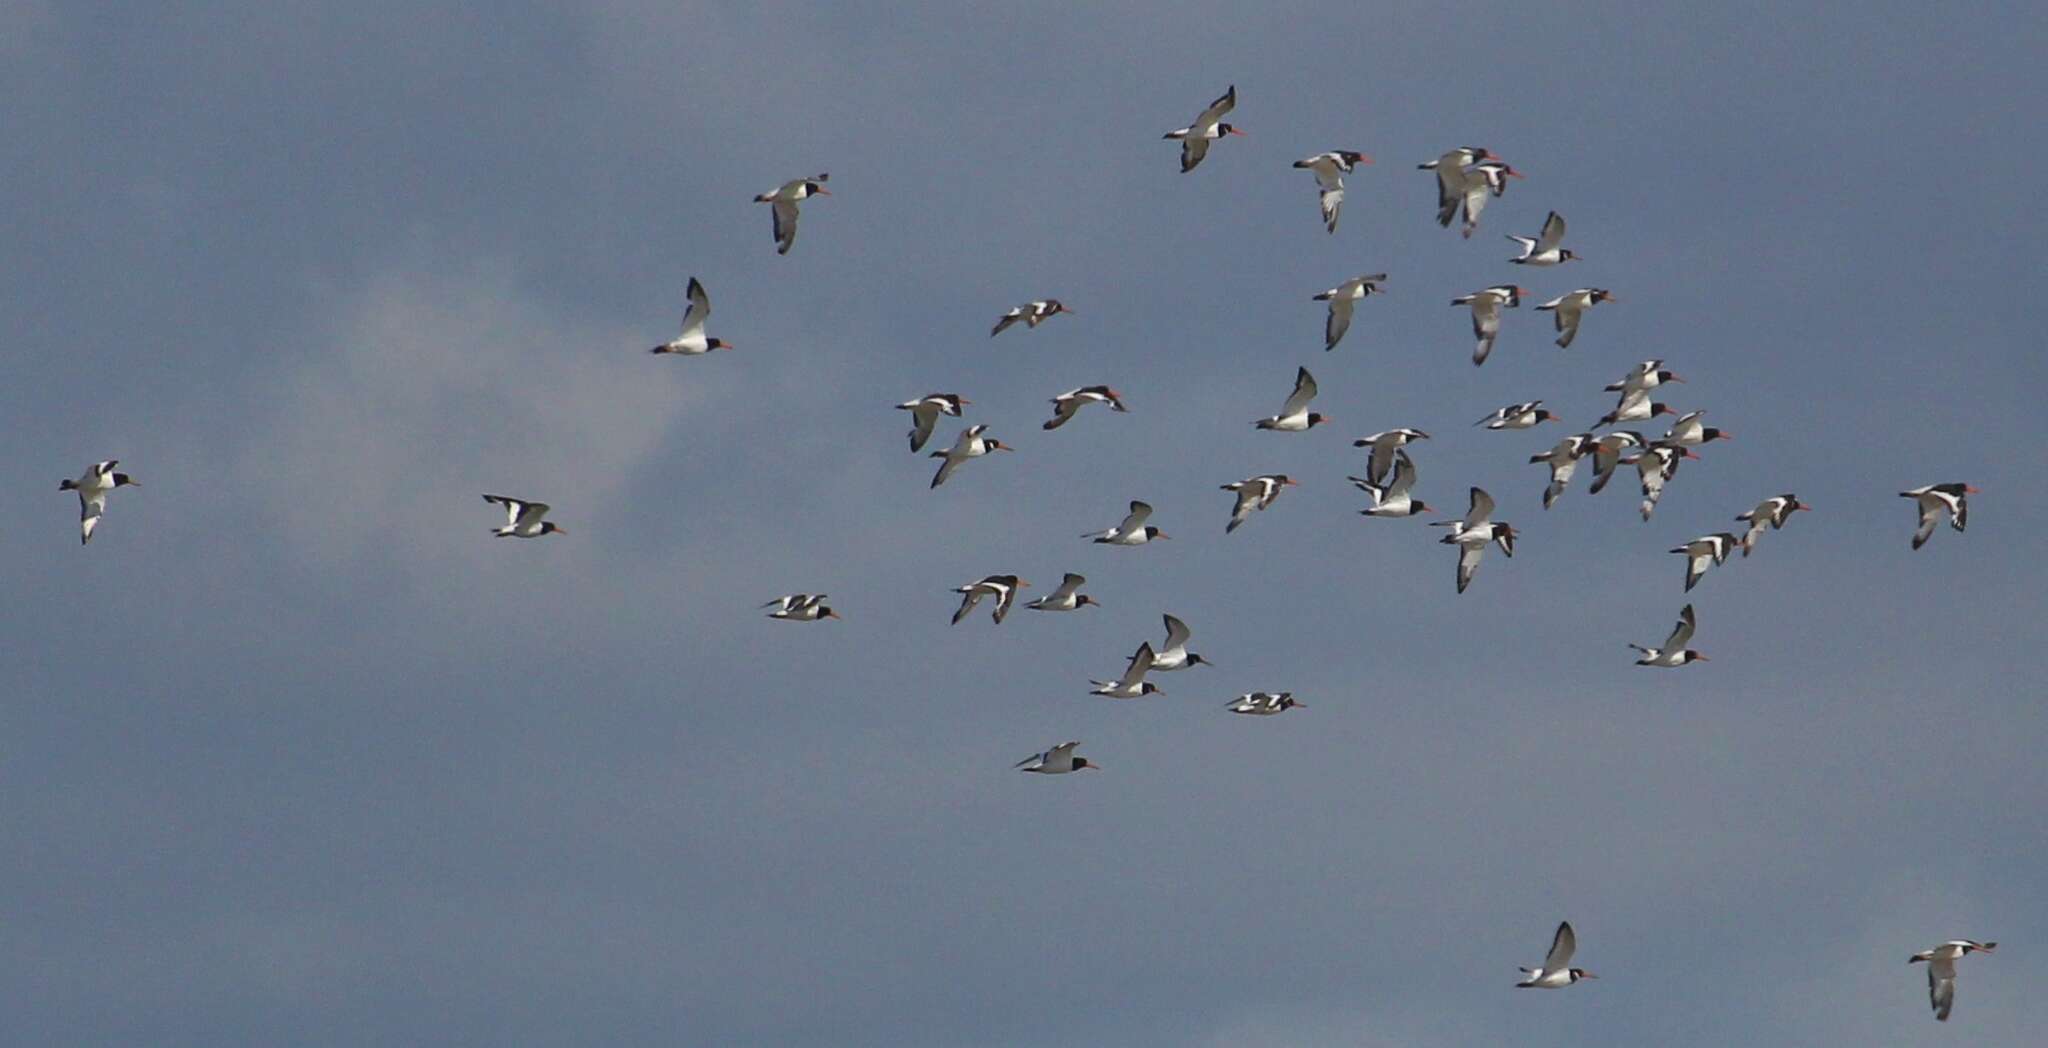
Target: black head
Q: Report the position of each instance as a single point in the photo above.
(1197, 660)
(1084, 600)
(719, 343)
(1544, 415)
(1566, 255)
(1082, 762)
(1419, 506)
(1147, 688)
(1317, 418)
(123, 480)
(549, 527)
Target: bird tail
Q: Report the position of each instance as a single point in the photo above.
(67, 485)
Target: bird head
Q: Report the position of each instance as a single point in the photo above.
(1229, 129)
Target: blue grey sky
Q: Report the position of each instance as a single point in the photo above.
(295, 752)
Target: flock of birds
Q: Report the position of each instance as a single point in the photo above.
(1467, 177)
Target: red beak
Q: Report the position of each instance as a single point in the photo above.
(1971, 490)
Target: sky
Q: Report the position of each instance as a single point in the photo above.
(295, 752)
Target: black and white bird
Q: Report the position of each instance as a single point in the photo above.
(1031, 313)
(1002, 587)
(971, 444)
(800, 607)
(1383, 445)
(1456, 186)
(1634, 407)
(1656, 465)
(1519, 416)
(1563, 460)
(1393, 499)
(1341, 299)
(1773, 511)
(1569, 307)
(1264, 704)
(1936, 499)
(1058, 761)
(1941, 971)
(1294, 415)
(1207, 128)
(1542, 249)
(1330, 169)
(1255, 493)
(783, 202)
(1484, 179)
(1557, 971)
(1486, 306)
(1133, 531)
(1132, 685)
(925, 412)
(1705, 552)
(1647, 375)
(1689, 432)
(1472, 534)
(1606, 451)
(523, 519)
(1673, 652)
(1067, 598)
(1067, 404)
(93, 486)
(1175, 655)
(692, 341)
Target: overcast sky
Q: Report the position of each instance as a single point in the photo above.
(295, 752)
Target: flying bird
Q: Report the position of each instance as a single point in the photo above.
(1264, 704)
(1557, 971)
(1456, 186)
(1255, 493)
(1067, 404)
(1031, 313)
(1393, 499)
(1656, 465)
(1208, 127)
(1341, 299)
(1647, 375)
(692, 341)
(1383, 445)
(1688, 432)
(1294, 415)
(1542, 249)
(1175, 655)
(1563, 460)
(1705, 552)
(1132, 685)
(969, 445)
(783, 202)
(1634, 407)
(523, 519)
(1941, 971)
(1472, 534)
(1570, 306)
(1606, 451)
(1936, 499)
(1057, 761)
(1673, 652)
(1519, 416)
(1330, 169)
(93, 486)
(1133, 531)
(1002, 587)
(1067, 598)
(925, 412)
(800, 607)
(1774, 511)
(1486, 306)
